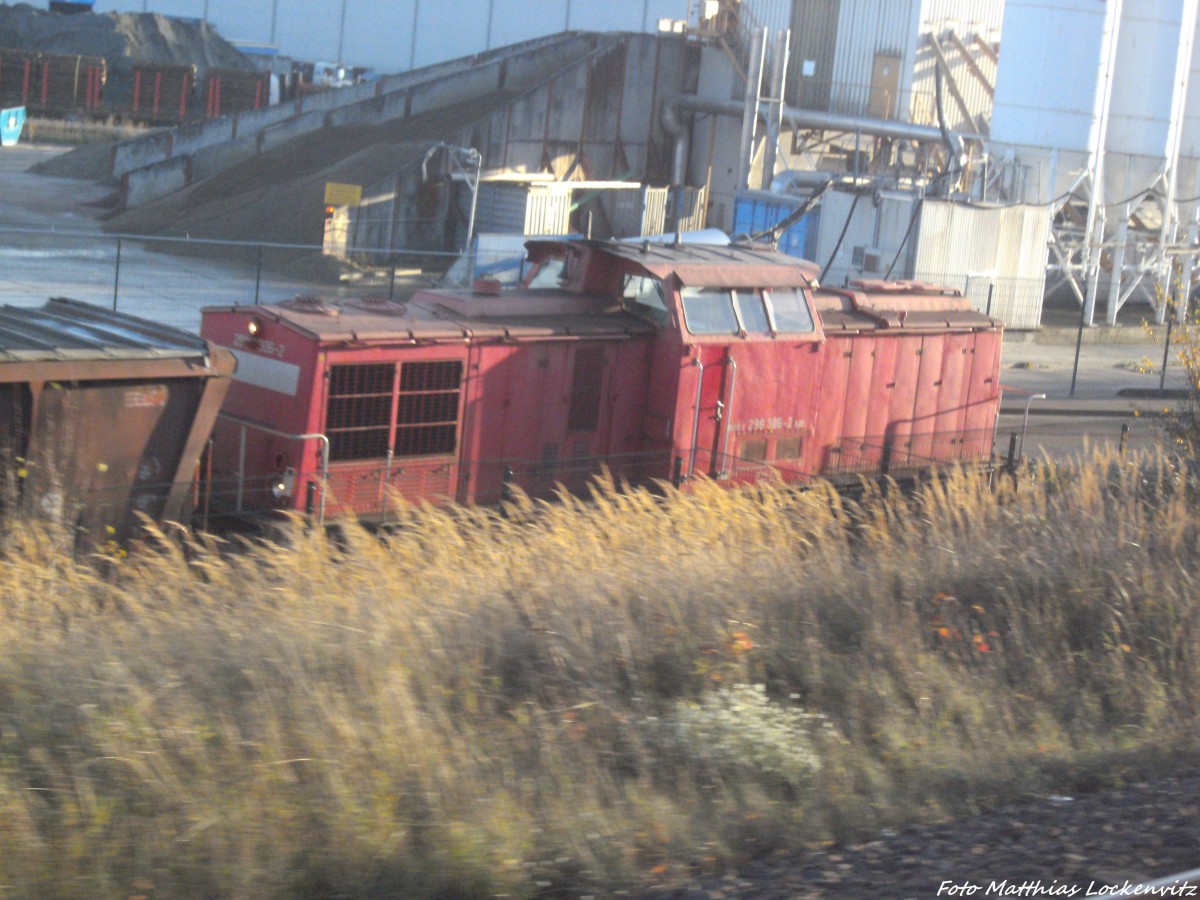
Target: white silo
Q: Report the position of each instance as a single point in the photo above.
(1094, 93)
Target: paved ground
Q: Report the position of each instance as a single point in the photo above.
(52, 244)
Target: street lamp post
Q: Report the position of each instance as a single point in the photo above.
(341, 33)
(412, 51)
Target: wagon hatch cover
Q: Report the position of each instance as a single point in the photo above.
(69, 329)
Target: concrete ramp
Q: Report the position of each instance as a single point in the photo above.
(159, 164)
(588, 125)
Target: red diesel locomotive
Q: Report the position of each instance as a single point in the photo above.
(650, 361)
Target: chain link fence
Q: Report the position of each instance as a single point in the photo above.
(169, 280)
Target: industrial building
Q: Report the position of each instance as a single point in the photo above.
(960, 139)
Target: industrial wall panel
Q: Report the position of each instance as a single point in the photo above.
(988, 252)
(873, 239)
(598, 161)
(976, 94)
(983, 17)
(547, 211)
(564, 104)
(647, 212)
(639, 87)
(774, 15)
(624, 210)
(814, 46)
(601, 107)
(501, 208)
(836, 209)
(527, 117)
(868, 29)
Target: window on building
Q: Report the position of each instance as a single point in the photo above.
(427, 412)
(359, 411)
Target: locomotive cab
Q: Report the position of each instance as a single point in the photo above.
(648, 361)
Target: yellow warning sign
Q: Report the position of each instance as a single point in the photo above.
(342, 194)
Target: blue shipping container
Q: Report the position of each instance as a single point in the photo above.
(756, 211)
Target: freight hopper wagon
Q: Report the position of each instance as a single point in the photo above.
(648, 361)
(103, 417)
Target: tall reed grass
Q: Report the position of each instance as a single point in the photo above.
(584, 696)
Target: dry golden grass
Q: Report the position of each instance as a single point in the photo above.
(564, 699)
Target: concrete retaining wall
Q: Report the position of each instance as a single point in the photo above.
(390, 106)
(207, 147)
(524, 58)
(454, 89)
(219, 157)
(143, 151)
(298, 126)
(157, 180)
(198, 135)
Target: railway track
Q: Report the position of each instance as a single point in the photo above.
(1138, 840)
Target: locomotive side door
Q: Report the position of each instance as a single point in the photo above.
(711, 426)
(710, 318)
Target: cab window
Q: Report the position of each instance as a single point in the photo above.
(645, 295)
(753, 313)
(791, 311)
(709, 310)
(549, 274)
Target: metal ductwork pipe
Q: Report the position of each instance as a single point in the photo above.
(750, 107)
(775, 105)
(676, 109)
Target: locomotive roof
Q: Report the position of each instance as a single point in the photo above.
(708, 265)
(454, 315)
(911, 306)
(65, 329)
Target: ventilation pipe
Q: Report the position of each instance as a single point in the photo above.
(750, 108)
(678, 109)
(779, 63)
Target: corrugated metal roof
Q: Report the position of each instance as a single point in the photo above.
(891, 309)
(455, 316)
(68, 329)
(735, 265)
